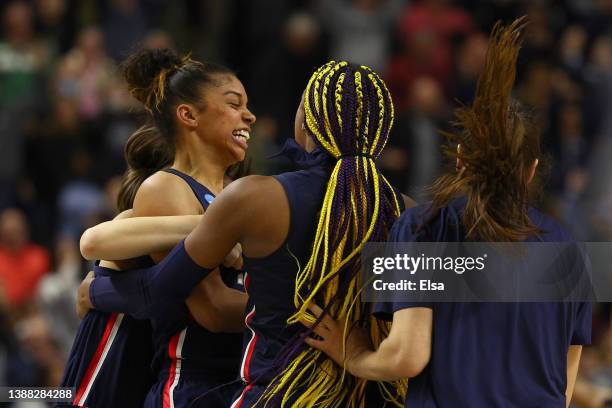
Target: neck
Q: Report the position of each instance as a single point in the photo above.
(310, 144)
(201, 163)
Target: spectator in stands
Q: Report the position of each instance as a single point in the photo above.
(85, 74)
(427, 31)
(360, 29)
(22, 263)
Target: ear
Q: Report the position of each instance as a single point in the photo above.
(187, 115)
(532, 170)
(459, 163)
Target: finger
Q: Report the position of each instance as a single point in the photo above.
(306, 322)
(326, 320)
(329, 322)
(316, 328)
(315, 309)
(318, 344)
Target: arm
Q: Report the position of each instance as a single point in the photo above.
(129, 238)
(404, 353)
(573, 361)
(218, 308)
(228, 220)
(147, 292)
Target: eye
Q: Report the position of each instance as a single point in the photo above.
(234, 105)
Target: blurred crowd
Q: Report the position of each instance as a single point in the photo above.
(65, 115)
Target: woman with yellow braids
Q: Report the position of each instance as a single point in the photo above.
(301, 235)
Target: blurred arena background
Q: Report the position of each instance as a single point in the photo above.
(65, 115)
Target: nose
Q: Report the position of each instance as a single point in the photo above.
(249, 117)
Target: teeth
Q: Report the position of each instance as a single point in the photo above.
(242, 133)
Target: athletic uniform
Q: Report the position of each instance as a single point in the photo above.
(270, 281)
(194, 367)
(110, 359)
(491, 354)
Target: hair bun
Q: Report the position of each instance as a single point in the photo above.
(143, 70)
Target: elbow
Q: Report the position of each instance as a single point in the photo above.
(89, 245)
(410, 363)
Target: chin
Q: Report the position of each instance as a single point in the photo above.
(237, 157)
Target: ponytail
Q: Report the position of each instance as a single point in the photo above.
(498, 149)
(146, 152)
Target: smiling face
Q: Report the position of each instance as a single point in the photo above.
(225, 121)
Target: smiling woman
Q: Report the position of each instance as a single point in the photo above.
(198, 126)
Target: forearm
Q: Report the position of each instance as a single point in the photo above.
(147, 292)
(129, 238)
(217, 307)
(403, 354)
(573, 362)
(379, 365)
(232, 311)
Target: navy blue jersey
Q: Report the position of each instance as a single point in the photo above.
(190, 361)
(491, 354)
(109, 363)
(270, 281)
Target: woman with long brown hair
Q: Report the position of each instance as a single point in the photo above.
(198, 125)
(476, 354)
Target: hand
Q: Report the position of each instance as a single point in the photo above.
(234, 258)
(83, 304)
(331, 339)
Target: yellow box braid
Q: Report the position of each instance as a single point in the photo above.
(320, 382)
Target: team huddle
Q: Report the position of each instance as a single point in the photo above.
(212, 290)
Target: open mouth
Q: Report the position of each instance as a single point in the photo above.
(241, 135)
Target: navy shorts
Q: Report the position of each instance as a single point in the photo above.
(109, 364)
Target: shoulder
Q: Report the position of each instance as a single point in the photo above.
(409, 223)
(415, 214)
(252, 187)
(424, 223)
(252, 191)
(165, 194)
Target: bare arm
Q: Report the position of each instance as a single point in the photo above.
(573, 361)
(404, 353)
(241, 213)
(130, 238)
(217, 307)
(212, 304)
(252, 211)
